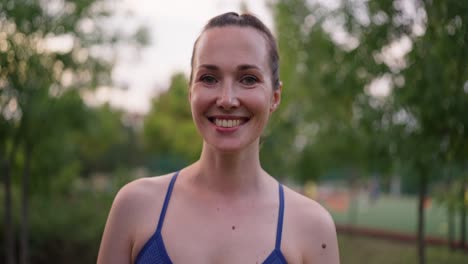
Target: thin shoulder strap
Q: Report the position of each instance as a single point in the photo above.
(166, 202)
(279, 228)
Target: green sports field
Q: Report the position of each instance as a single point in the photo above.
(392, 214)
(361, 250)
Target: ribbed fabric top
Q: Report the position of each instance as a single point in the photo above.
(154, 251)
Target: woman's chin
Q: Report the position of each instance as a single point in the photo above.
(227, 148)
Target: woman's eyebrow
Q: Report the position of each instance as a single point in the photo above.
(245, 67)
(209, 67)
(242, 67)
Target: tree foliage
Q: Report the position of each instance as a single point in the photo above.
(169, 132)
(50, 52)
(379, 86)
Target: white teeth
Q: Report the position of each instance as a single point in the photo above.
(227, 123)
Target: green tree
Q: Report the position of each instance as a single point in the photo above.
(433, 97)
(102, 139)
(168, 131)
(40, 84)
(334, 55)
(319, 106)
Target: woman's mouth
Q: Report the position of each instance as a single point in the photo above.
(228, 122)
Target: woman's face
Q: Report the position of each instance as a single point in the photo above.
(231, 94)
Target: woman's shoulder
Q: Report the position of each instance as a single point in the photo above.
(313, 225)
(306, 208)
(132, 214)
(143, 190)
(146, 185)
(138, 197)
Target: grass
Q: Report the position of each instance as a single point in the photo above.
(354, 250)
(396, 214)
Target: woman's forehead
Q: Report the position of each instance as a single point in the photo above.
(232, 46)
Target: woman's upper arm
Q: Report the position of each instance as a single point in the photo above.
(117, 239)
(321, 243)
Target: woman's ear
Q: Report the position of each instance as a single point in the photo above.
(276, 99)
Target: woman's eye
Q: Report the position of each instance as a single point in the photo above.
(249, 80)
(208, 79)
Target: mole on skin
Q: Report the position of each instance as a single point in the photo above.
(324, 245)
(233, 227)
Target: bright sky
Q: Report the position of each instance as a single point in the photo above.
(174, 25)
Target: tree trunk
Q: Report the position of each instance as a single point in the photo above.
(422, 197)
(451, 209)
(8, 227)
(24, 256)
(451, 225)
(353, 208)
(463, 214)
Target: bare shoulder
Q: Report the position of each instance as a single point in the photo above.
(309, 214)
(134, 208)
(139, 199)
(313, 227)
(141, 190)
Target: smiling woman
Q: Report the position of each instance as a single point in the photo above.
(232, 81)
(224, 208)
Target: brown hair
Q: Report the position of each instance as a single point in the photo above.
(245, 20)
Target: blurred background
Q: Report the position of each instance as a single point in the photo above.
(373, 122)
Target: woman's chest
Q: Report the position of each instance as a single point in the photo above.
(219, 234)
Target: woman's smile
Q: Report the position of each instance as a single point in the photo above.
(226, 123)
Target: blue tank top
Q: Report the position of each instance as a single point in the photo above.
(154, 251)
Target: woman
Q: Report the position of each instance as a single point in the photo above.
(224, 208)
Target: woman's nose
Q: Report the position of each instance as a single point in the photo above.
(227, 98)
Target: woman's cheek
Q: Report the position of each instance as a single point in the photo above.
(199, 104)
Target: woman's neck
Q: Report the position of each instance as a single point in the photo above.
(229, 172)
